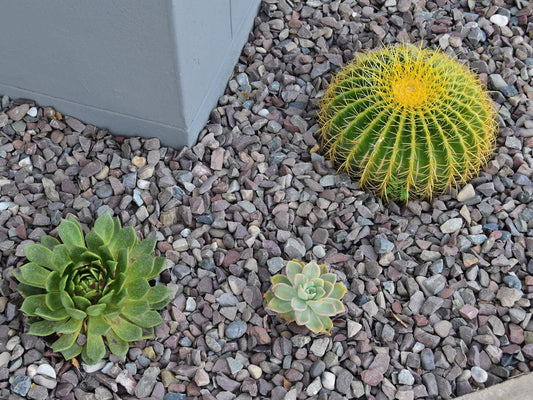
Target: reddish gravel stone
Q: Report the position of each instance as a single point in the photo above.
(231, 257)
(371, 377)
(468, 311)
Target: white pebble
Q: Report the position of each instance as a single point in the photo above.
(93, 367)
(31, 371)
(479, 374)
(500, 20)
(25, 162)
(190, 305)
(32, 112)
(46, 370)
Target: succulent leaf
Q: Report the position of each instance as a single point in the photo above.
(311, 270)
(94, 350)
(94, 241)
(96, 285)
(338, 291)
(71, 326)
(293, 267)
(303, 317)
(64, 342)
(72, 351)
(298, 304)
(52, 300)
(149, 319)
(52, 282)
(56, 315)
(71, 234)
(407, 122)
(116, 345)
(299, 280)
(137, 289)
(33, 274)
(308, 295)
(315, 323)
(42, 328)
(279, 306)
(142, 267)
(280, 279)
(97, 325)
(96, 309)
(157, 294)
(159, 264)
(284, 291)
(105, 228)
(31, 303)
(302, 294)
(40, 255)
(49, 241)
(145, 247)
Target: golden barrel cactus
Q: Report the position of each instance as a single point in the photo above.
(408, 122)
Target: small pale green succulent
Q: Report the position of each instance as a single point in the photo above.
(308, 295)
(96, 286)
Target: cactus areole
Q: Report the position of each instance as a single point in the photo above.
(408, 122)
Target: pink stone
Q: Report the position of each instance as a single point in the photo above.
(468, 311)
(371, 377)
(217, 159)
(527, 350)
(516, 334)
(380, 363)
(336, 258)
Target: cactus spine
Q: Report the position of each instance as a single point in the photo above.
(408, 122)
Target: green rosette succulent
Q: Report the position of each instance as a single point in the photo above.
(308, 295)
(97, 286)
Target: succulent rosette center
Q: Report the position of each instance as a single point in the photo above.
(89, 281)
(308, 295)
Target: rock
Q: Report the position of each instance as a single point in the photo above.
(468, 311)
(294, 249)
(466, 193)
(17, 113)
(371, 377)
(344, 381)
(37, 392)
(428, 359)
(236, 329)
(255, 371)
(405, 377)
(314, 387)
(512, 281)
(382, 246)
(442, 328)
(452, 225)
(147, 382)
(479, 374)
(328, 380)
(201, 377)
(435, 284)
(21, 383)
(508, 296)
(500, 20)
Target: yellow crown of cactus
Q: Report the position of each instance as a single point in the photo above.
(307, 295)
(408, 122)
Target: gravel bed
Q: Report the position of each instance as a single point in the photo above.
(439, 293)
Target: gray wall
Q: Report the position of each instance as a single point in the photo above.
(136, 67)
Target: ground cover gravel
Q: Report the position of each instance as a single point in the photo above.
(439, 293)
